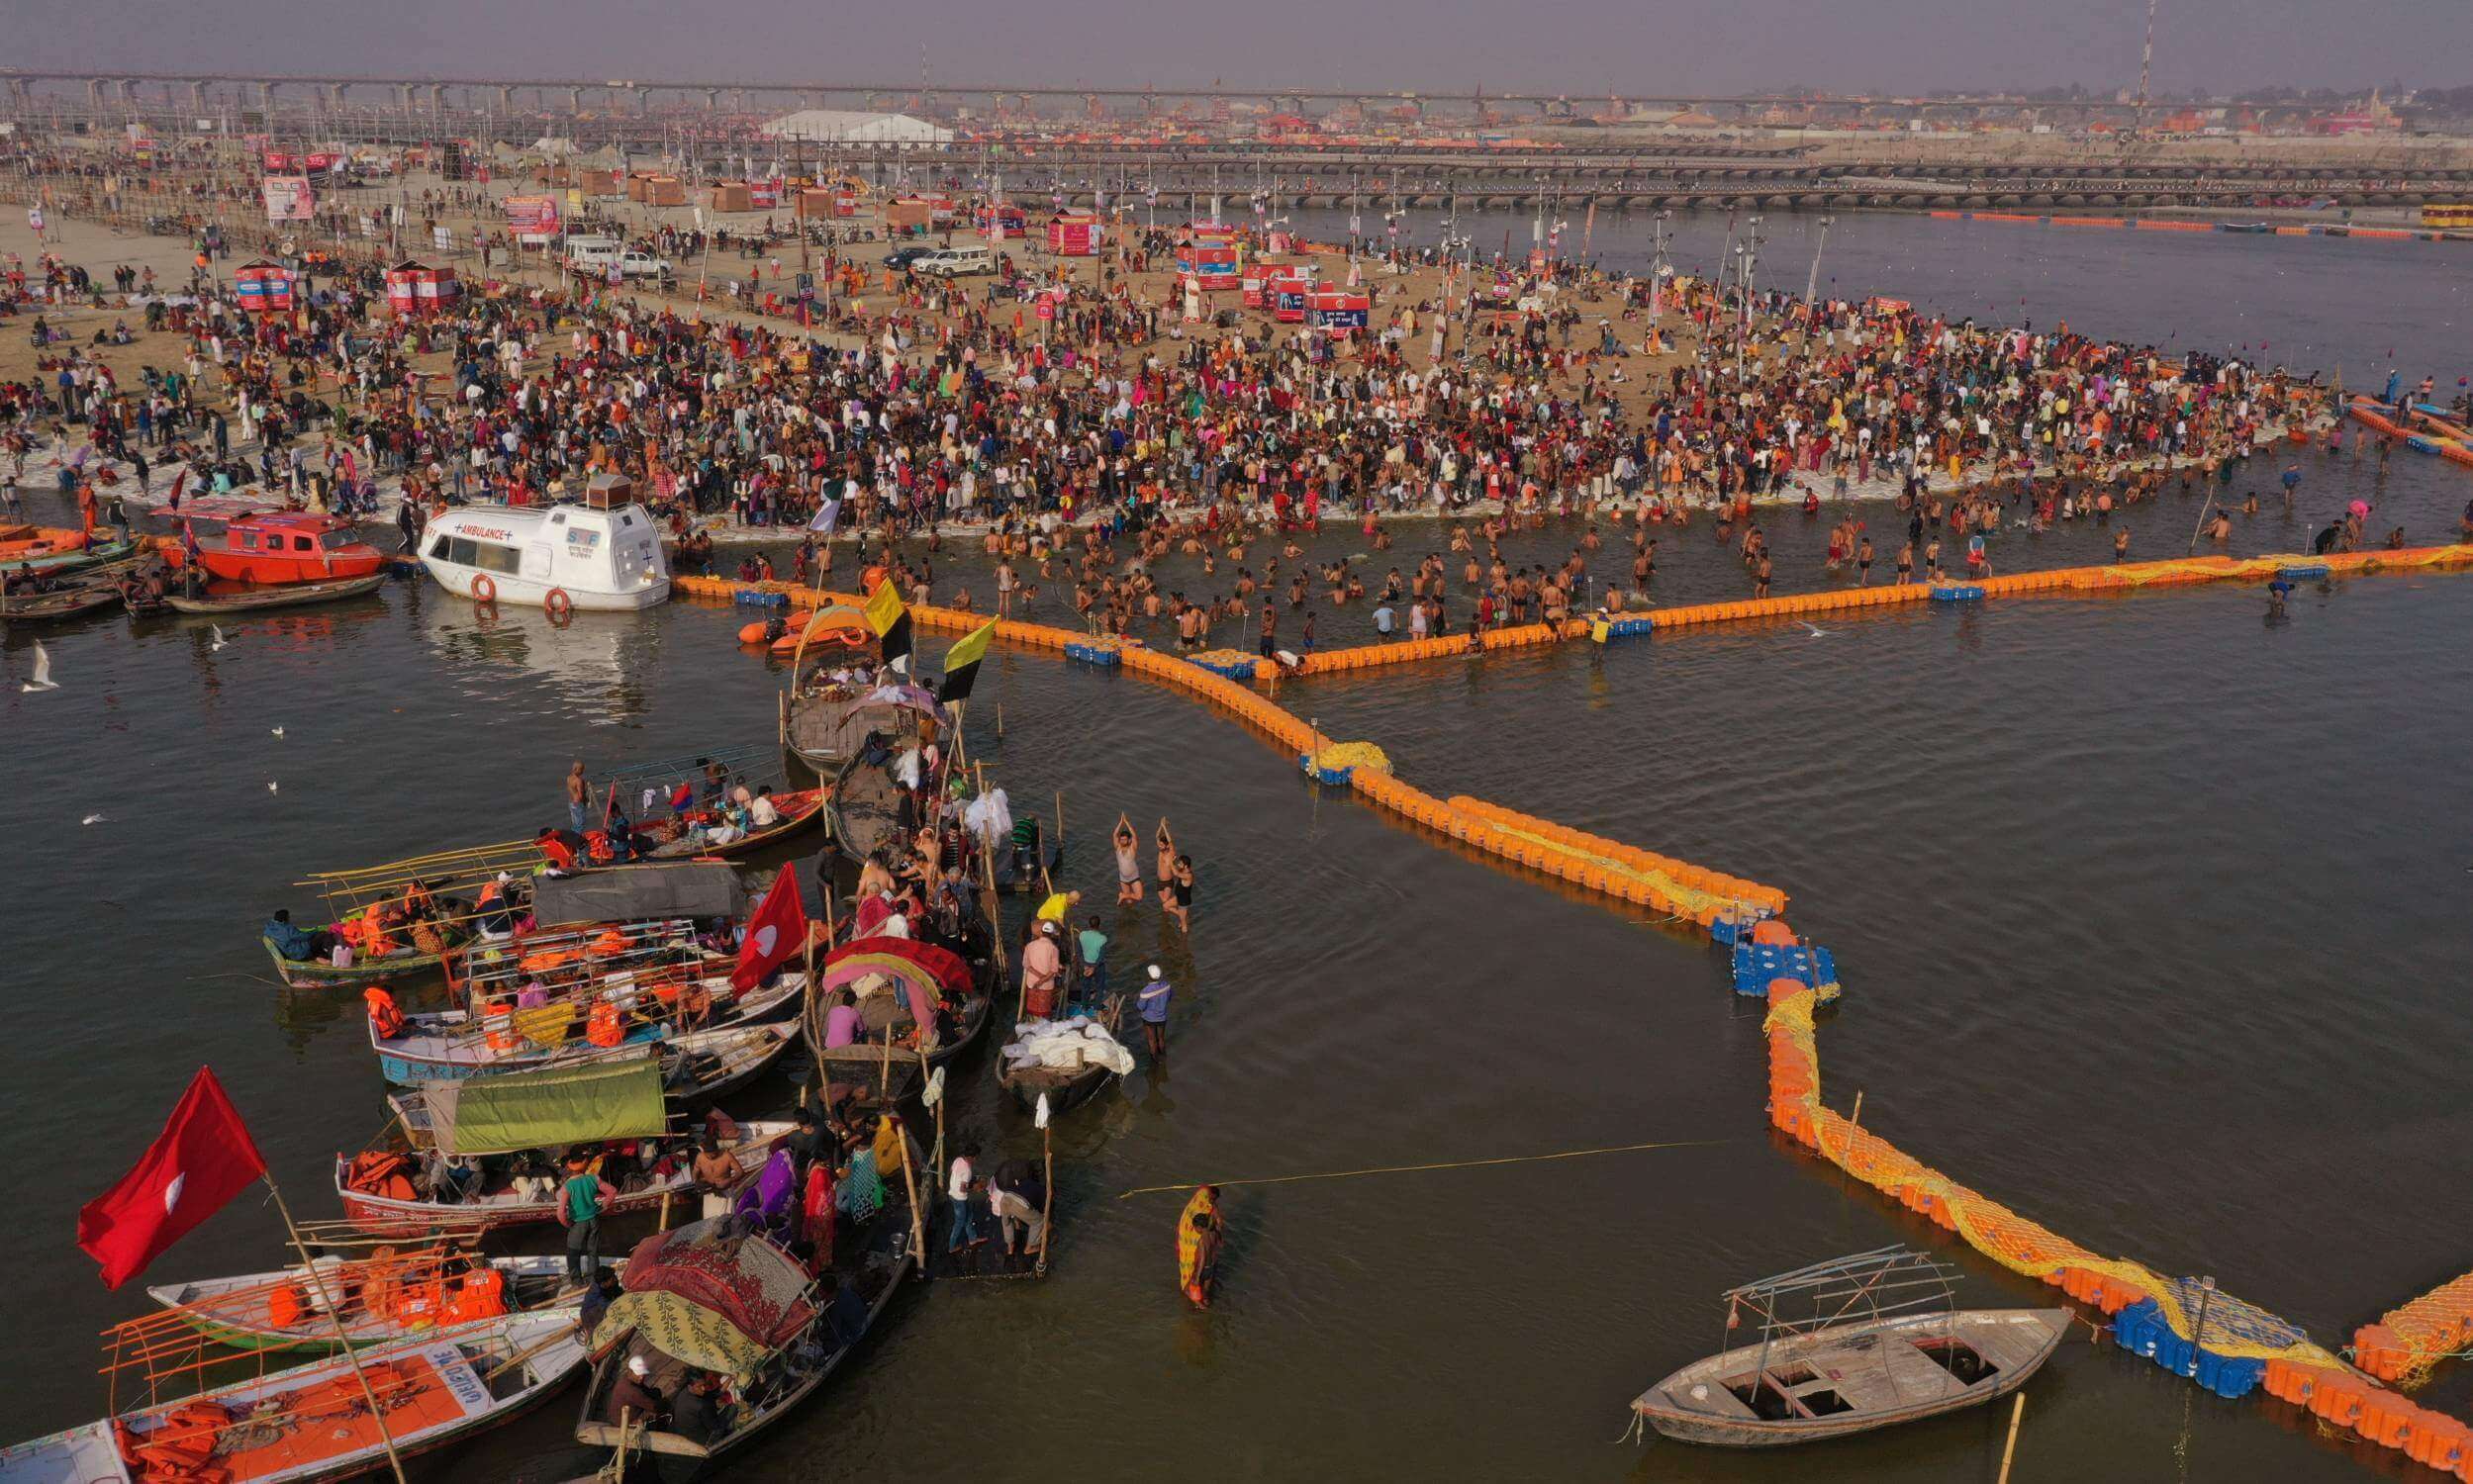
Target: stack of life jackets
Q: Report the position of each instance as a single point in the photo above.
(603, 1027)
(180, 1451)
(386, 1173)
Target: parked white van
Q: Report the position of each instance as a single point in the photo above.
(955, 262)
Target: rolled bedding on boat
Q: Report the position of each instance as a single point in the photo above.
(1071, 1043)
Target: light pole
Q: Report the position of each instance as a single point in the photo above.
(1812, 284)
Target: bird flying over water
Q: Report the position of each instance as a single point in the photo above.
(1818, 632)
(43, 680)
(219, 640)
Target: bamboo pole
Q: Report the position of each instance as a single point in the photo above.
(910, 1183)
(334, 1316)
(2009, 1449)
(1047, 1213)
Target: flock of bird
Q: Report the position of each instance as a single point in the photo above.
(42, 681)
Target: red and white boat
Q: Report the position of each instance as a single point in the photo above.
(313, 1423)
(274, 548)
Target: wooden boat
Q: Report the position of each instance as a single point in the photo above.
(60, 560)
(508, 1128)
(697, 1069)
(314, 973)
(1846, 1346)
(444, 1045)
(869, 811)
(816, 711)
(273, 548)
(679, 837)
(253, 600)
(237, 1312)
(311, 1422)
(886, 1071)
(500, 1205)
(797, 1346)
(57, 604)
(1065, 1086)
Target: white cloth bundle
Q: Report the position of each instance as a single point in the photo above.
(1065, 1043)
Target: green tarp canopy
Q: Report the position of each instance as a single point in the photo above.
(522, 1110)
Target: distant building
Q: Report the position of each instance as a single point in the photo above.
(829, 126)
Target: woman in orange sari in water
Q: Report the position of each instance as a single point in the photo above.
(1197, 1246)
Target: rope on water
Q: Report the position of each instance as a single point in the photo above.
(1347, 1175)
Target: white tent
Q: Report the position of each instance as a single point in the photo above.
(838, 127)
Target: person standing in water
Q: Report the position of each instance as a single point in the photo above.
(1128, 862)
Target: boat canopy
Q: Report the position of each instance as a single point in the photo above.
(506, 1112)
(640, 894)
(923, 972)
(711, 1295)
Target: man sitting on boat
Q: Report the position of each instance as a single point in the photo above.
(294, 944)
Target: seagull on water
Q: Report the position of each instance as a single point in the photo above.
(219, 641)
(278, 731)
(273, 787)
(1818, 632)
(91, 819)
(43, 680)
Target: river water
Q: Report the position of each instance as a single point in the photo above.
(2144, 924)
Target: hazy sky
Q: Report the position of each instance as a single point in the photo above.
(1584, 46)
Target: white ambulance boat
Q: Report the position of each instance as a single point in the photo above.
(603, 554)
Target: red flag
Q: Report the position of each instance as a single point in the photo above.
(776, 932)
(203, 1158)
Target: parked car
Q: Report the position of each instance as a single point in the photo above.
(956, 262)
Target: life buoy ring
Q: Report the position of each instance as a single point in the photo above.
(557, 603)
(483, 589)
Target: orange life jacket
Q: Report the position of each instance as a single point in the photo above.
(380, 941)
(284, 1306)
(557, 853)
(602, 1028)
(610, 941)
(419, 1304)
(596, 844)
(481, 1295)
(385, 1018)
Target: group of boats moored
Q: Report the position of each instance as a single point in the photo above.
(582, 1011)
(253, 563)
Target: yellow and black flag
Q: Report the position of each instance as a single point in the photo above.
(961, 663)
(889, 618)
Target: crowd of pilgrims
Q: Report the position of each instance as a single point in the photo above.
(951, 405)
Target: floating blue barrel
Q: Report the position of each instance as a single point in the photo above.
(1956, 593)
(751, 597)
(1757, 964)
(2136, 1326)
(1323, 772)
(1095, 653)
(1732, 930)
(2301, 570)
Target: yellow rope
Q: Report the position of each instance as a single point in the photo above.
(1346, 1174)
